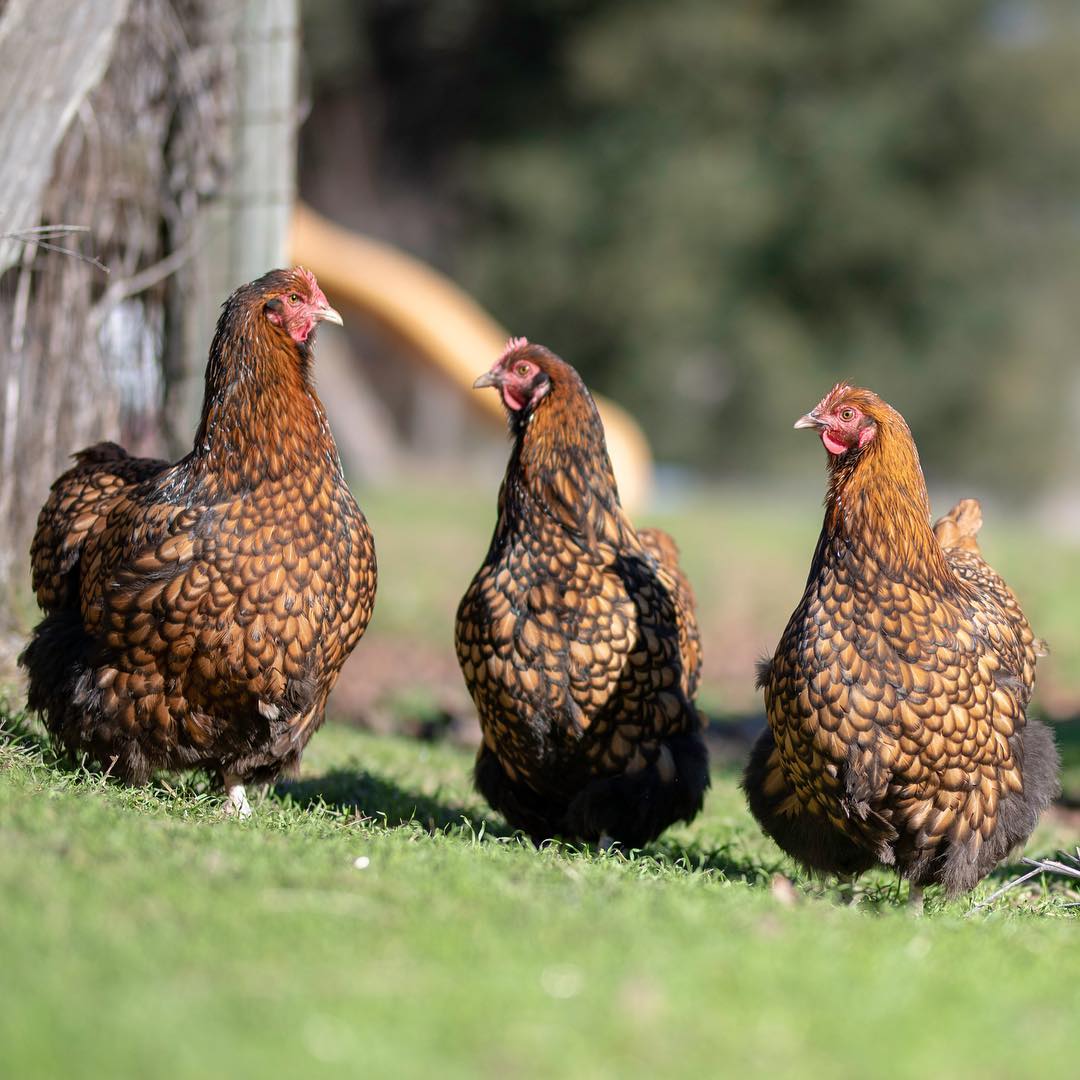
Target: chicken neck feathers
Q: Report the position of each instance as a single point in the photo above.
(896, 696)
(570, 634)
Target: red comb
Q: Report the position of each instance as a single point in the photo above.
(511, 347)
(833, 394)
(317, 296)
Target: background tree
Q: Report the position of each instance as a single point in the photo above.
(717, 209)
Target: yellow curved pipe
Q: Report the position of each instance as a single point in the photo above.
(441, 325)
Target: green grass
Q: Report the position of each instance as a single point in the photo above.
(143, 934)
(747, 556)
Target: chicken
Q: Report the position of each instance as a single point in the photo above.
(577, 636)
(197, 614)
(897, 696)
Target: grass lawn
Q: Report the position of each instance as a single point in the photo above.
(143, 934)
(747, 555)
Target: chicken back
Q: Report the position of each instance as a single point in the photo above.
(897, 696)
(198, 614)
(577, 636)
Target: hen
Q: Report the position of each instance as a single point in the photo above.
(577, 637)
(197, 614)
(896, 699)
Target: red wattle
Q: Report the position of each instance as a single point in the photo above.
(511, 399)
(834, 446)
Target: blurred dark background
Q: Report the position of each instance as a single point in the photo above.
(717, 210)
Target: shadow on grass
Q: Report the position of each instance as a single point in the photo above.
(372, 797)
(730, 736)
(369, 796)
(730, 866)
(1067, 733)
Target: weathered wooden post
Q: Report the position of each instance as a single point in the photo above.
(165, 129)
(245, 232)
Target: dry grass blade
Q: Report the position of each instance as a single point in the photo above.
(1070, 867)
(1003, 890)
(42, 235)
(97, 263)
(49, 231)
(1067, 866)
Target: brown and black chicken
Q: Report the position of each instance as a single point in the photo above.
(897, 696)
(577, 637)
(197, 614)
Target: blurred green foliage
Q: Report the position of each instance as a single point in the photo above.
(716, 210)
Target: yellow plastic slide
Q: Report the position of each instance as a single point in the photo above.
(445, 328)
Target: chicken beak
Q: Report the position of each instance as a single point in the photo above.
(328, 314)
(808, 421)
(489, 378)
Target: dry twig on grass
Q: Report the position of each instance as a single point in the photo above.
(1068, 866)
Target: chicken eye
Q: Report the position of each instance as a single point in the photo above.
(847, 415)
(294, 299)
(522, 370)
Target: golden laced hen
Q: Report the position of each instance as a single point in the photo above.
(198, 614)
(896, 699)
(577, 636)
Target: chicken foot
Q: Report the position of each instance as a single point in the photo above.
(236, 797)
